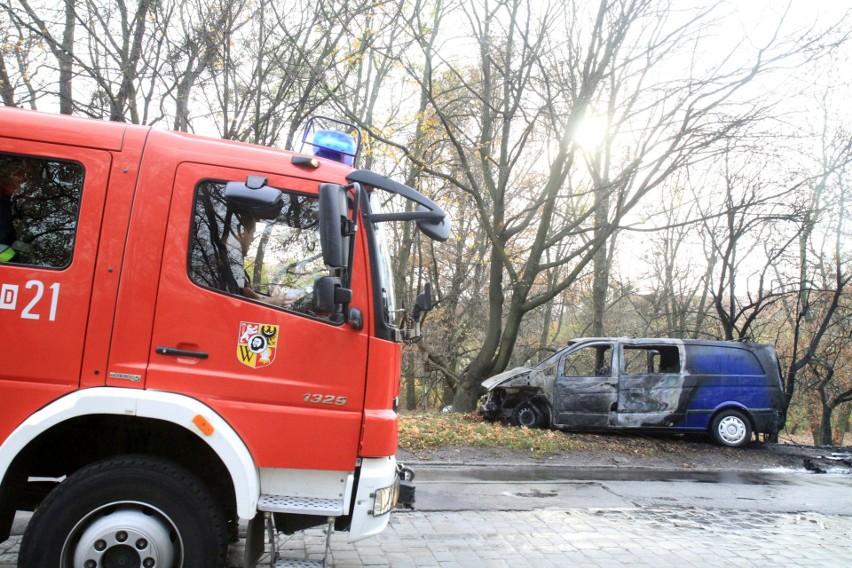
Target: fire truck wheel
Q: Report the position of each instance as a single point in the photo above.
(127, 511)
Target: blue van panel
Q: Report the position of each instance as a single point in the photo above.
(716, 360)
(728, 376)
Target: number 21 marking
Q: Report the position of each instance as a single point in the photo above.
(28, 313)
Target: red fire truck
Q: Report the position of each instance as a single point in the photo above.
(195, 333)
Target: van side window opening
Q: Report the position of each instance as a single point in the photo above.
(650, 359)
(39, 208)
(704, 360)
(588, 362)
(271, 261)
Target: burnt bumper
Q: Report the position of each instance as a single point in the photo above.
(768, 421)
(406, 498)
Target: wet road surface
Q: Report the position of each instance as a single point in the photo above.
(504, 516)
(526, 488)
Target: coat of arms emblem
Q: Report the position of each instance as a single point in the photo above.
(257, 344)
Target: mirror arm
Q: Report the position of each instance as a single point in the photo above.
(407, 216)
(382, 182)
(350, 228)
(430, 218)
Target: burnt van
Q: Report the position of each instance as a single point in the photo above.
(729, 390)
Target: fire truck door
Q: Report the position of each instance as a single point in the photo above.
(234, 326)
(51, 207)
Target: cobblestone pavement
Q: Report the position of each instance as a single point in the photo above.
(633, 537)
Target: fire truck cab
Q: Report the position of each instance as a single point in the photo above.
(195, 332)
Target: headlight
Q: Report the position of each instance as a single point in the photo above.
(385, 499)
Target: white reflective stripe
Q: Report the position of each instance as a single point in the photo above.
(168, 407)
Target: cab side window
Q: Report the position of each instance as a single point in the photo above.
(39, 208)
(651, 359)
(590, 361)
(637, 361)
(271, 261)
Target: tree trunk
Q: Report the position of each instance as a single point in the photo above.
(469, 387)
(66, 71)
(412, 369)
(825, 436)
(842, 416)
(601, 264)
(126, 97)
(7, 92)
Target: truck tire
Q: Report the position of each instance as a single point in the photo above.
(529, 415)
(127, 511)
(731, 428)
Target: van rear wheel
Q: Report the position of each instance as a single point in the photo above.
(731, 428)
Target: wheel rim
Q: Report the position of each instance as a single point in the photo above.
(527, 417)
(123, 535)
(732, 430)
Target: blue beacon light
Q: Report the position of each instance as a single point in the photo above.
(334, 145)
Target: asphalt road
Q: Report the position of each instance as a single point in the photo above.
(518, 488)
(515, 516)
(525, 488)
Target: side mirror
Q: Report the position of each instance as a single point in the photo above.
(334, 225)
(435, 230)
(330, 295)
(412, 332)
(254, 197)
(423, 303)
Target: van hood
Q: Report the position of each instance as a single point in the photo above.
(507, 376)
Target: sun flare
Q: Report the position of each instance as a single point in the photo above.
(591, 132)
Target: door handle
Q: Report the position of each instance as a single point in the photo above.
(174, 352)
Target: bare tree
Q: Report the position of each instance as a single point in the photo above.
(22, 46)
(827, 376)
(825, 269)
(193, 33)
(7, 41)
(528, 94)
(674, 300)
(748, 239)
(115, 35)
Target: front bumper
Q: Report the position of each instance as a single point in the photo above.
(376, 496)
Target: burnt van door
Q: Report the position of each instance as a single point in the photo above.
(235, 326)
(51, 207)
(586, 388)
(653, 390)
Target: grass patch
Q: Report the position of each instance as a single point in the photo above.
(422, 431)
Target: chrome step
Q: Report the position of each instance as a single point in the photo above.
(300, 505)
(295, 563)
